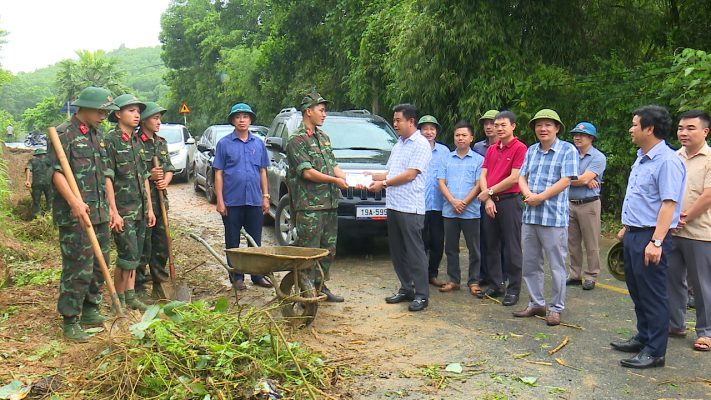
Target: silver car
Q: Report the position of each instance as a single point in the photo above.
(181, 146)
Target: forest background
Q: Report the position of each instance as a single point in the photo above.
(591, 60)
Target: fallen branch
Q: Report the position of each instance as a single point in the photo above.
(563, 363)
(547, 364)
(492, 299)
(564, 324)
(560, 346)
(522, 355)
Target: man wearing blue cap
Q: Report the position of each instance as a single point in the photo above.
(241, 185)
(584, 197)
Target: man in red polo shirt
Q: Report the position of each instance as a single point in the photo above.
(502, 219)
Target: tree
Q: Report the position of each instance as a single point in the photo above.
(45, 114)
(91, 69)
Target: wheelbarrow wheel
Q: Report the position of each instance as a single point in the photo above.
(616, 261)
(299, 314)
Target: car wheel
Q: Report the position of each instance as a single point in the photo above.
(210, 189)
(284, 227)
(196, 186)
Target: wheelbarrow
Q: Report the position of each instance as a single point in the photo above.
(295, 291)
(616, 261)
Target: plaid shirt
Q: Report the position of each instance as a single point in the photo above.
(542, 170)
(411, 153)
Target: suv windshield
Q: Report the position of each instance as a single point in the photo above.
(359, 133)
(171, 133)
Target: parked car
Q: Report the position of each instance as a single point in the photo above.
(204, 174)
(361, 142)
(181, 146)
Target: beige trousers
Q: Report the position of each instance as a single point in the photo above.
(584, 228)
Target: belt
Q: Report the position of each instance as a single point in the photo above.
(504, 197)
(585, 200)
(640, 228)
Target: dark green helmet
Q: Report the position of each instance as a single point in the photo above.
(151, 110)
(546, 113)
(241, 108)
(491, 114)
(40, 151)
(123, 101)
(95, 98)
(428, 119)
(311, 100)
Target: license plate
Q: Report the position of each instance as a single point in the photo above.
(371, 213)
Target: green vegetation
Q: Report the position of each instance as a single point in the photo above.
(194, 351)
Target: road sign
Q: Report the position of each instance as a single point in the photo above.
(184, 109)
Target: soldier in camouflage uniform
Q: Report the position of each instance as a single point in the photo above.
(132, 194)
(314, 180)
(84, 146)
(155, 246)
(38, 174)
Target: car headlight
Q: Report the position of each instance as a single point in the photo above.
(174, 153)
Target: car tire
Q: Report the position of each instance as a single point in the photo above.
(210, 189)
(284, 228)
(196, 186)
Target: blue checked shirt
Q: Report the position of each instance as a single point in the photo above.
(595, 161)
(411, 153)
(460, 174)
(656, 176)
(433, 197)
(542, 170)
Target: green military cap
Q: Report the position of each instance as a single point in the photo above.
(40, 151)
(428, 119)
(546, 113)
(152, 109)
(96, 98)
(311, 100)
(241, 108)
(491, 114)
(123, 101)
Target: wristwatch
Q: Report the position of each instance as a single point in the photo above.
(656, 242)
(266, 196)
(490, 192)
(385, 183)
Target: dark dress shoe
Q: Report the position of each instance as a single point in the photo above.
(437, 282)
(589, 284)
(419, 304)
(399, 297)
(573, 282)
(631, 345)
(491, 292)
(238, 284)
(330, 297)
(264, 282)
(553, 318)
(643, 360)
(510, 299)
(530, 312)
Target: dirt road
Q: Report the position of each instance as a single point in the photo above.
(387, 352)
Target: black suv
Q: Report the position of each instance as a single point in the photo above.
(361, 142)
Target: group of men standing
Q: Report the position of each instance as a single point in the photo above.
(118, 185)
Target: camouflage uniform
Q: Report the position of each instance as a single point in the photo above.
(125, 154)
(41, 167)
(155, 247)
(81, 279)
(314, 204)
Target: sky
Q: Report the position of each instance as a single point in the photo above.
(43, 32)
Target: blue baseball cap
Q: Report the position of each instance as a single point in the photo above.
(241, 108)
(586, 128)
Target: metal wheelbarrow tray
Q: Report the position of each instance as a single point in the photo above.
(296, 292)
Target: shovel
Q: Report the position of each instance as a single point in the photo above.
(98, 254)
(181, 292)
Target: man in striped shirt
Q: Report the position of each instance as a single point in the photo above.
(545, 176)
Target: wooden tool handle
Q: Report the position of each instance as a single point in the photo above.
(164, 214)
(86, 220)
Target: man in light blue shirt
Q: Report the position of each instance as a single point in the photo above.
(433, 232)
(404, 182)
(650, 210)
(459, 183)
(545, 176)
(585, 208)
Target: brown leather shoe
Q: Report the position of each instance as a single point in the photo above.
(238, 284)
(553, 318)
(436, 282)
(449, 286)
(530, 312)
(264, 282)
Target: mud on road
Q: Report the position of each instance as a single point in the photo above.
(384, 351)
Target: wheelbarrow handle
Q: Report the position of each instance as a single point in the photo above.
(250, 239)
(212, 251)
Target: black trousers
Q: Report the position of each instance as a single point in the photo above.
(408, 252)
(470, 228)
(504, 231)
(433, 237)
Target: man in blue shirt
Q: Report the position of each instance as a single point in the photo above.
(459, 183)
(241, 185)
(585, 208)
(545, 176)
(433, 232)
(651, 208)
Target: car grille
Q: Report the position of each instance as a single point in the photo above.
(363, 194)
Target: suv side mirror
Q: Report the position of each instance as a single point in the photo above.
(275, 143)
(202, 148)
(190, 141)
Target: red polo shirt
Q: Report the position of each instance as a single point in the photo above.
(501, 159)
